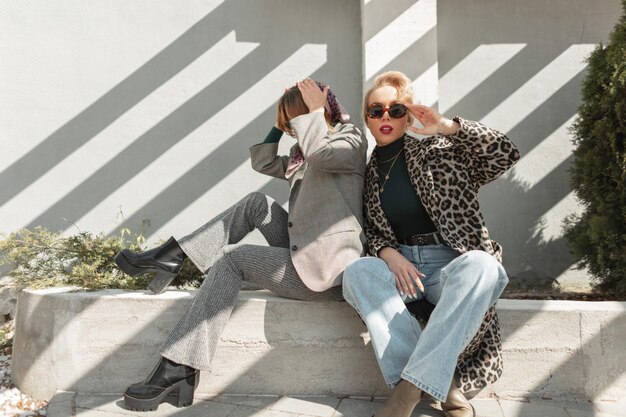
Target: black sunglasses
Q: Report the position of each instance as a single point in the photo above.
(396, 111)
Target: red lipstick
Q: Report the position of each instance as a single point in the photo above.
(386, 129)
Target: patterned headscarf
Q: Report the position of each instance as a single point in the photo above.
(338, 114)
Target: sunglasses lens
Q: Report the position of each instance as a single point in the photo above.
(375, 112)
(397, 111)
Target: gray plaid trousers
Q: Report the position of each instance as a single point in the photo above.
(214, 249)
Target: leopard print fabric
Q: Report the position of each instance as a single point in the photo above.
(481, 361)
(446, 173)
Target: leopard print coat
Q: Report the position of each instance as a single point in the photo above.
(446, 173)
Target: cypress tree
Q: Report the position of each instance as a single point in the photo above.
(597, 237)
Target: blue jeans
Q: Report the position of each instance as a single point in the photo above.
(463, 287)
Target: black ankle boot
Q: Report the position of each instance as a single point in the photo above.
(167, 379)
(165, 260)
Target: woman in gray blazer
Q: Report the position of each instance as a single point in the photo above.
(309, 246)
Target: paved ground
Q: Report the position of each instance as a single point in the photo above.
(89, 405)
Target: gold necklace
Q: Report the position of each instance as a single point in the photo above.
(388, 174)
(390, 159)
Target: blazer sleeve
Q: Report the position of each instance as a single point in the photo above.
(337, 152)
(265, 159)
(489, 152)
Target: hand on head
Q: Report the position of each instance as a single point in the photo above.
(314, 98)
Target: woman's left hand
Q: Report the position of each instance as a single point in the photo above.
(430, 119)
(314, 98)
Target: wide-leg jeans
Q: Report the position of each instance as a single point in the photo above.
(463, 287)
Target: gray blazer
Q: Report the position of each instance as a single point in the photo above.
(325, 199)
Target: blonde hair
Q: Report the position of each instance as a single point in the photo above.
(292, 105)
(397, 80)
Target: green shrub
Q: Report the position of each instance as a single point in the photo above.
(40, 258)
(597, 238)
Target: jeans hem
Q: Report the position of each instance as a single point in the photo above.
(426, 388)
(391, 385)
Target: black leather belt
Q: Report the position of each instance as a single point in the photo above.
(423, 240)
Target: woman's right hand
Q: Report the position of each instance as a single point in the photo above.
(406, 274)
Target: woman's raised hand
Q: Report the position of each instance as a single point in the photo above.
(314, 98)
(427, 117)
(407, 275)
(433, 122)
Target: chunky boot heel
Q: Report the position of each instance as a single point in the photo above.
(186, 389)
(168, 381)
(165, 261)
(160, 281)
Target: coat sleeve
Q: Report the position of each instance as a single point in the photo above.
(489, 152)
(375, 240)
(265, 159)
(338, 152)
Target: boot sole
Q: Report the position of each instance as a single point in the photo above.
(185, 390)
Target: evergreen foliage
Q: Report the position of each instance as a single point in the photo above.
(597, 238)
(40, 258)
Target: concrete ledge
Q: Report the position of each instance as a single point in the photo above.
(101, 342)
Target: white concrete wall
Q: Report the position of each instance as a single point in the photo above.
(517, 66)
(139, 114)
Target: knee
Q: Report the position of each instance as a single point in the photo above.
(256, 197)
(481, 266)
(481, 259)
(361, 271)
(229, 255)
(489, 266)
(359, 268)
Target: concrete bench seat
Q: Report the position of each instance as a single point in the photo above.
(100, 342)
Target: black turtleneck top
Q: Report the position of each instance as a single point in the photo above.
(401, 204)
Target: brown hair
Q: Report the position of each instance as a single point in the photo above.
(292, 105)
(397, 80)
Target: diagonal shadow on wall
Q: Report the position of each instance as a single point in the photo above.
(552, 113)
(519, 214)
(407, 62)
(384, 15)
(512, 211)
(121, 98)
(158, 140)
(505, 81)
(521, 193)
(198, 109)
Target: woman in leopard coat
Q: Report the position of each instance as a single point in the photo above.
(428, 241)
